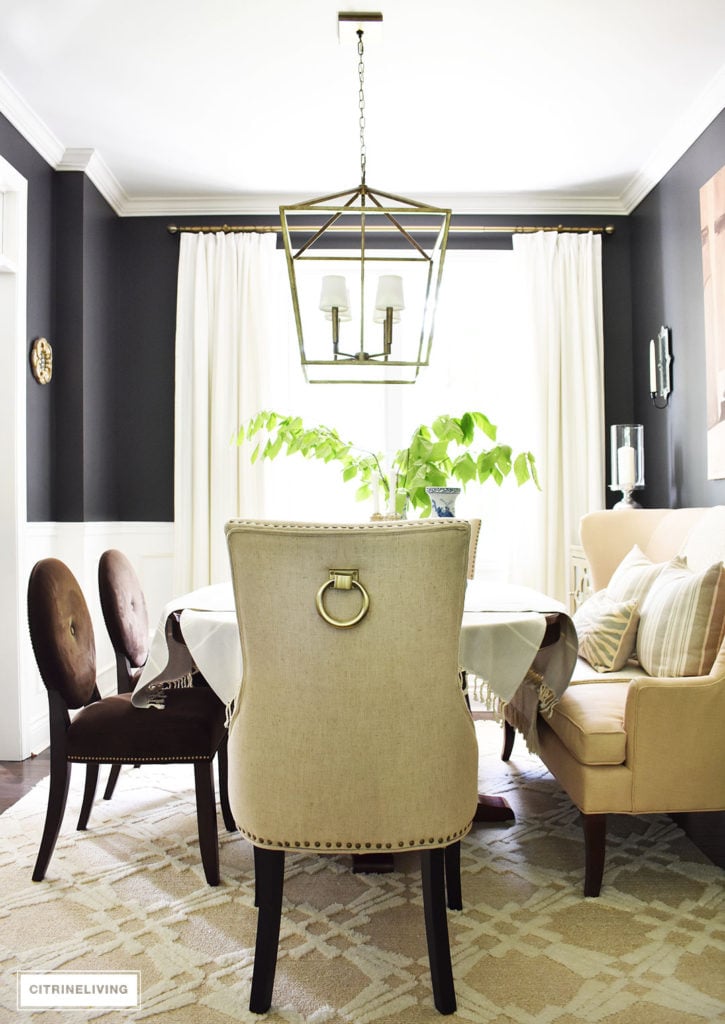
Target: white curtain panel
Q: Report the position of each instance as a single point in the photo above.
(225, 317)
(561, 285)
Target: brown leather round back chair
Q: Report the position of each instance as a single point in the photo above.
(61, 632)
(190, 729)
(124, 611)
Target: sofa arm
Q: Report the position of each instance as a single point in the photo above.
(674, 733)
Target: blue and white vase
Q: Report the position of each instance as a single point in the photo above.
(443, 501)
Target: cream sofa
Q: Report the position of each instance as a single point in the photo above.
(626, 742)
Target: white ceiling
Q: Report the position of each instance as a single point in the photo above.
(194, 106)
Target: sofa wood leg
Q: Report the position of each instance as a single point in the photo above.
(595, 837)
(509, 735)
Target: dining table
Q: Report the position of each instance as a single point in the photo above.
(517, 649)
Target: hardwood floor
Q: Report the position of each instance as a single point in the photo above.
(707, 831)
(18, 777)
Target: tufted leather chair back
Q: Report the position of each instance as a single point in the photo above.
(61, 632)
(124, 607)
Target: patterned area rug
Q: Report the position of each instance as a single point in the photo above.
(129, 894)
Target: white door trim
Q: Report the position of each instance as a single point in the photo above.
(13, 497)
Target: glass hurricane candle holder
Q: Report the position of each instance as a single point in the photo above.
(627, 461)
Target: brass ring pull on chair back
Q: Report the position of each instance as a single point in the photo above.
(343, 579)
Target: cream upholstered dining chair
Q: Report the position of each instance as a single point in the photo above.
(351, 732)
(475, 525)
(110, 730)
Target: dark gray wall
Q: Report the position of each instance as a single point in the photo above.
(103, 356)
(68, 358)
(667, 289)
(85, 296)
(148, 262)
(73, 297)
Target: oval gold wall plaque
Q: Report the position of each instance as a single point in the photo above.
(41, 360)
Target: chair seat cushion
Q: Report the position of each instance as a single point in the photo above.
(189, 728)
(589, 721)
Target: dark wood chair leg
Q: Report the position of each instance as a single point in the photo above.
(269, 883)
(436, 929)
(221, 754)
(452, 855)
(89, 792)
(595, 839)
(464, 685)
(57, 796)
(112, 780)
(206, 819)
(509, 735)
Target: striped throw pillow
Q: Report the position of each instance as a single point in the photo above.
(607, 631)
(635, 574)
(682, 622)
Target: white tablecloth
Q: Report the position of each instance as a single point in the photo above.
(501, 634)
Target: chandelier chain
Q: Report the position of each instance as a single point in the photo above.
(361, 103)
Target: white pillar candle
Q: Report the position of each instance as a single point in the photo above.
(390, 292)
(626, 467)
(652, 369)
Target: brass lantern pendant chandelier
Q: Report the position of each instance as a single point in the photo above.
(365, 267)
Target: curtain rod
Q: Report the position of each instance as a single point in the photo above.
(493, 229)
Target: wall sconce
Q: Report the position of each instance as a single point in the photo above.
(660, 378)
(627, 461)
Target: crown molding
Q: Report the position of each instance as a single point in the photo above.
(52, 150)
(261, 203)
(268, 204)
(27, 122)
(92, 164)
(517, 204)
(683, 134)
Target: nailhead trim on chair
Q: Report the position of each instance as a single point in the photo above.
(353, 527)
(134, 759)
(343, 846)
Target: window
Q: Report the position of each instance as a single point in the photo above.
(477, 362)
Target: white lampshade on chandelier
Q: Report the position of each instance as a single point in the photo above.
(365, 267)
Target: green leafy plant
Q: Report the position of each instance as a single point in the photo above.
(436, 456)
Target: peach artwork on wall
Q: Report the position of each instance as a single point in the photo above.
(712, 227)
